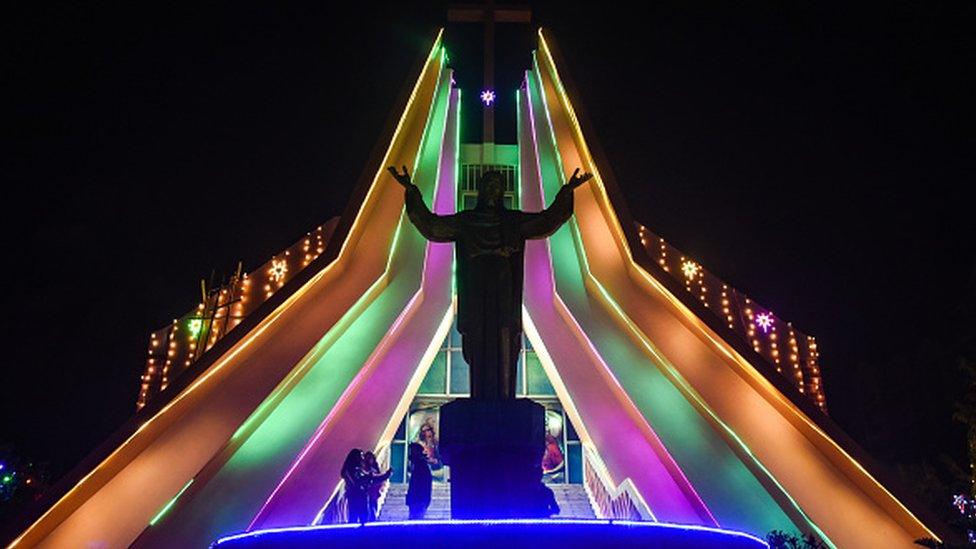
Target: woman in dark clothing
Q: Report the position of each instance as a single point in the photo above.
(356, 483)
(418, 493)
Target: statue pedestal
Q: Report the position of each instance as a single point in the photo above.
(494, 449)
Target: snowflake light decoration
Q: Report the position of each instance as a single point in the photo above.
(690, 268)
(764, 321)
(487, 97)
(278, 269)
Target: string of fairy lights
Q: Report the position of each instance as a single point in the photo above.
(796, 359)
(173, 348)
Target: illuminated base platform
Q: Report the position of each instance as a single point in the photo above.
(495, 534)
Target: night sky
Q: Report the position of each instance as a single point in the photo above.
(814, 157)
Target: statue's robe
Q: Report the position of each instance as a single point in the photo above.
(489, 250)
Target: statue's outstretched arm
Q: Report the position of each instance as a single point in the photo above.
(544, 223)
(437, 228)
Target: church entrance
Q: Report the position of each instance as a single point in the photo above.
(447, 379)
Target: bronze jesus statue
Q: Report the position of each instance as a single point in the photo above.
(489, 248)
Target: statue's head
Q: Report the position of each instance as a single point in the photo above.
(491, 189)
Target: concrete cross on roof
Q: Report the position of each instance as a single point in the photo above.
(488, 14)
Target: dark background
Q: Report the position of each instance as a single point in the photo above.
(814, 156)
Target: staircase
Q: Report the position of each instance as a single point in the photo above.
(572, 499)
(395, 505)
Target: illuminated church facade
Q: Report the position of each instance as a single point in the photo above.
(670, 396)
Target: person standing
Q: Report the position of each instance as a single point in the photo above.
(418, 492)
(356, 483)
(376, 482)
(545, 502)
(359, 482)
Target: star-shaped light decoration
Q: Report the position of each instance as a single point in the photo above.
(487, 97)
(195, 326)
(690, 268)
(278, 269)
(959, 501)
(764, 321)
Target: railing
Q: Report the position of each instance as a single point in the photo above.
(609, 501)
(173, 348)
(792, 353)
(336, 510)
(383, 456)
(622, 501)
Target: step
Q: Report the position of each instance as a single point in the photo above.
(572, 499)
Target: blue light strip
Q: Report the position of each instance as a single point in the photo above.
(490, 522)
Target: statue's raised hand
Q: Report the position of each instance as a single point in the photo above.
(402, 178)
(576, 179)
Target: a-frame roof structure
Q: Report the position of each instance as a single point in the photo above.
(678, 414)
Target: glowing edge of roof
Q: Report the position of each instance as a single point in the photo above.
(267, 322)
(665, 365)
(432, 348)
(683, 483)
(169, 503)
(532, 333)
(393, 333)
(688, 391)
(771, 391)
